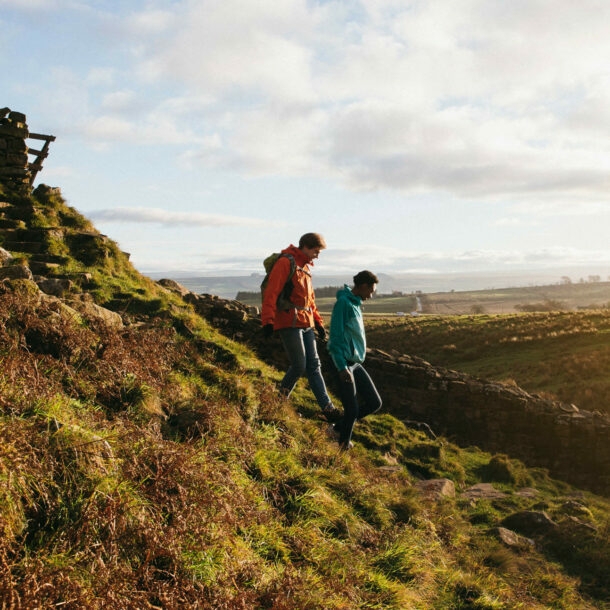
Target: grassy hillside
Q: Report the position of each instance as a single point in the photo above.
(153, 465)
(563, 354)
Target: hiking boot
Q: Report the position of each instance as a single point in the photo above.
(283, 392)
(331, 413)
(346, 446)
(333, 432)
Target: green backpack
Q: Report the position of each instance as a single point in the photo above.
(283, 300)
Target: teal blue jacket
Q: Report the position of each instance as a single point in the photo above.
(347, 341)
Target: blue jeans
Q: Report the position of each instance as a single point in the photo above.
(300, 346)
(359, 399)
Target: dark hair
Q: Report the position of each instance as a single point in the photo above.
(365, 277)
(312, 240)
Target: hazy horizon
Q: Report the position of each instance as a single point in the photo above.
(227, 286)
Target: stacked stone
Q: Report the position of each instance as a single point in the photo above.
(14, 169)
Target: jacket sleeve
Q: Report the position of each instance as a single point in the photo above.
(277, 280)
(318, 319)
(337, 337)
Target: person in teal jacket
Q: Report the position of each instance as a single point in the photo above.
(347, 348)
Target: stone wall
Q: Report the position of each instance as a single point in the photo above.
(13, 149)
(573, 445)
(16, 169)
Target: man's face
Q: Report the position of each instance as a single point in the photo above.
(311, 253)
(367, 291)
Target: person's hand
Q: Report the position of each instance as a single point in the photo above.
(267, 330)
(321, 331)
(346, 376)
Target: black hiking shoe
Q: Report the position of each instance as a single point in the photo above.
(330, 413)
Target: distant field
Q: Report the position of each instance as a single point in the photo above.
(565, 297)
(561, 354)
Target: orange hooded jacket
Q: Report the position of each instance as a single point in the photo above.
(304, 314)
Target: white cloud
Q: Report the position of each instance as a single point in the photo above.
(106, 128)
(30, 4)
(477, 99)
(119, 101)
(396, 260)
(472, 98)
(230, 47)
(101, 76)
(149, 22)
(552, 209)
(168, 218)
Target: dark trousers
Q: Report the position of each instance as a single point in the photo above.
(359, 399)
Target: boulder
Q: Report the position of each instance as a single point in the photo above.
(54, 286)
(16, 272)
(436, 488)
(91, 311)
(174, 286)
(5, 257)
(512, 539)
(530, 522)
(483, 491)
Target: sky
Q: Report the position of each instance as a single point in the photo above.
(416, 136)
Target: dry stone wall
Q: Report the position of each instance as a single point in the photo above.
(13, 149)
(16, 169)
(574, 445)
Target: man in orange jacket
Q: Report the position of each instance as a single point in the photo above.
(296, 320)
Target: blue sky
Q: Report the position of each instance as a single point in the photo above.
(426, 136)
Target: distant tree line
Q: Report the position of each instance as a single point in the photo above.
(247, 296)
(591, 279)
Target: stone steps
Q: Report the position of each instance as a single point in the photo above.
(49, 258)
(33, 234)
(9, 223)
(43, 268)
(27, 247)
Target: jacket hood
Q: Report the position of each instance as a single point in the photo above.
(299, 257)
(346, 293)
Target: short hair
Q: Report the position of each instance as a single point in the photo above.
(312, 240)
(365, 277)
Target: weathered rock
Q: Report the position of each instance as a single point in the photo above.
(91, 311)
(62, 310)
(527, 492)
(436, 488)
(530, 523)
(54, 286)
(5, 257)
(512, 539)
(578, 527)
(174, 286)
(576, 509)
(16, 272)
(483, 491)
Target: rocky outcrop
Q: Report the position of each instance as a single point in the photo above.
(574, 445)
